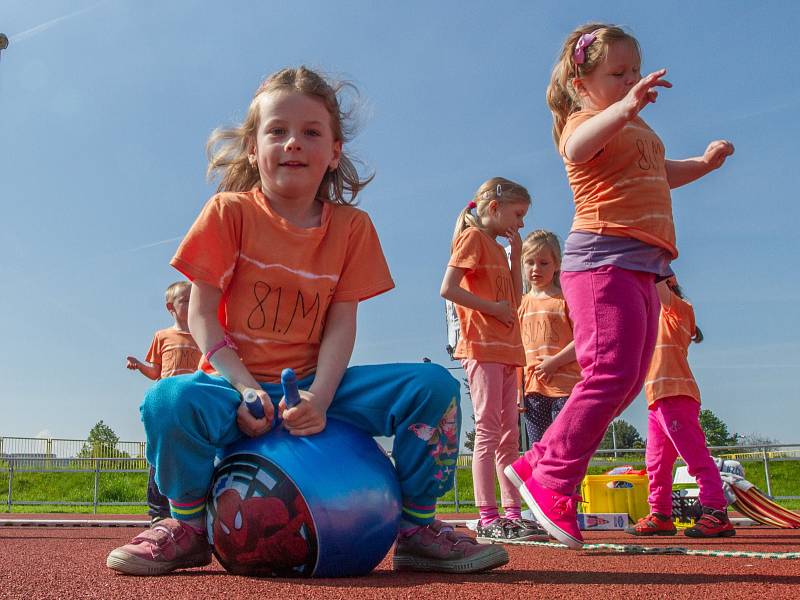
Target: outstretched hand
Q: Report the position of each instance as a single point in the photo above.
(716, 153)
(643, 93)
(133, 363)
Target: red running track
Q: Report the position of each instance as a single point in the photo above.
(67, 563)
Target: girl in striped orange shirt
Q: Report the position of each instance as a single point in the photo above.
(551, 371)
(486, 292)
(673, 424)
(622, 240)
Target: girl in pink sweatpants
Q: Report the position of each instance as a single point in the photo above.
(622, 239)
(673, 427)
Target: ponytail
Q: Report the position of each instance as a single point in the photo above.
(496, 188)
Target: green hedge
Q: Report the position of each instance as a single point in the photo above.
(132, 487)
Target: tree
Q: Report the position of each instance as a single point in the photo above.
(469, 437)
(755, 439)
(715, 429)
(101, 443)
(627, 436)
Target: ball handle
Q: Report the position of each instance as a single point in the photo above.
(253, 403)
(290, 392)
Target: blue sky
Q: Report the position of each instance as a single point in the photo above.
(105, 108)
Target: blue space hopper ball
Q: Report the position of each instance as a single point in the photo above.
(325, 505)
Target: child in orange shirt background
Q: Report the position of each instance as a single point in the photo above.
(279, 260)
(673, 425)
(486, 292)
(172, 352)
(550, 369)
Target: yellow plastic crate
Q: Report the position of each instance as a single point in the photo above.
(600, 495)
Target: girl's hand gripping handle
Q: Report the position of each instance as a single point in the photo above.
(290, 391)
(253, 403)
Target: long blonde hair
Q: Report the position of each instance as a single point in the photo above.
(541, 238)
(496, 188)
(562, 97)
(228, 148)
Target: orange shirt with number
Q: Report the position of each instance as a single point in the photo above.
(546, 330)
(175, 351)
(669, 373)
(487, 274)
(623, 190)
(278, 280)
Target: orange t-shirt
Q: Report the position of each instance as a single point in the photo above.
(175, 351)
(546, 330)
(623, 190)
(277, 279)
(669, 373)
(488, 276)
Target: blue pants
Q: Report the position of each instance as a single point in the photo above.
(187, 418)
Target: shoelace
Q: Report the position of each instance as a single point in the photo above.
(566, 504)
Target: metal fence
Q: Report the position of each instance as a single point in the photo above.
(20, 457)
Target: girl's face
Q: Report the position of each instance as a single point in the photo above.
(294, 144)
(540, 267)
(506, 218)
(612, 79)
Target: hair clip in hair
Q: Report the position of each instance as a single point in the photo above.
(583, 43)
(499, 190)
(471, 205)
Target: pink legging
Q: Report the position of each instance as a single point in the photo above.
(493, 388)
(673, 428)
(615, 320)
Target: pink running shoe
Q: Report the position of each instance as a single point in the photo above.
(518, 471)
(557, 513)
(169, 545)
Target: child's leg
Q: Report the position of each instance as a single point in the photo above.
(537, 416)
(615, 316)
(418, 404)
(659, 458)
(156, 501)
(679, 417)
(555, 407)
(486, 384)
(508, 447)
(186, 419)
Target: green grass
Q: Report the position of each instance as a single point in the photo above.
(132, 487)
(74, 487)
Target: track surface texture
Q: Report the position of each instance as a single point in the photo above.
(69, 562)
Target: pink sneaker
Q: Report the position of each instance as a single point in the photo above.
(518, 471)
(169, 545)
(438, 548)
(557, 513)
